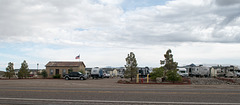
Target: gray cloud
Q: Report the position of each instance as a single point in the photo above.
(105, 24)
(227, 2)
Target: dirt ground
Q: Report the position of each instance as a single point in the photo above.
(90, 83)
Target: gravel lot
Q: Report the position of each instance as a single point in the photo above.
(213, 81)
(112, 83)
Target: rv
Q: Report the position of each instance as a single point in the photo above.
(143, 71)
(226, 71)
(97, 72)
(182, 72)
(237, 72)
(198, 71)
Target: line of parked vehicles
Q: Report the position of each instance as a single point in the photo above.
(96, 73)
(185, 71)
(214, 71)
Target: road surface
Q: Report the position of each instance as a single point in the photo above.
(107, 91)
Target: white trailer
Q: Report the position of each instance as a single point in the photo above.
(183, 72)
(97, 72)
(199, 71)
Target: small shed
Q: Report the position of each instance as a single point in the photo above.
(63, 67)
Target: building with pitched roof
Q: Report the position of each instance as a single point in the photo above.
(63, 67)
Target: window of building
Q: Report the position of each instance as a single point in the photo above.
(51, 71)
(63, 72)
(70, 70)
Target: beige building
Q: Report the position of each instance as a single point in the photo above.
(63, 67)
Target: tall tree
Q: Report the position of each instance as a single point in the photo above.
(131, 66)
(169, 64)
(24, 71)
(9, 70)
(169, 69)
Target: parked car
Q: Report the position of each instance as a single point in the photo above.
(106, 75)
(75, 75)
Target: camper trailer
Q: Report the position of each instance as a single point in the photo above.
(226, 71)
(182, 72)
(143, 71)
(198, 71)
(97, 72)
(237, 72)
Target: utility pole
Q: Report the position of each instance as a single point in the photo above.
(37, 67)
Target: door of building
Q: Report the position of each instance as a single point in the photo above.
(57, 71)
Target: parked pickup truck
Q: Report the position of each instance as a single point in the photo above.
(75, 75)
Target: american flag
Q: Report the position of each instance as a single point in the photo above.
(77, 57)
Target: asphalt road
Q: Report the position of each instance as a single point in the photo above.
(107, 91)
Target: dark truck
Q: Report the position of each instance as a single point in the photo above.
(75, 75)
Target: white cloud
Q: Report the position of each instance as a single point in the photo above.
(111, 2)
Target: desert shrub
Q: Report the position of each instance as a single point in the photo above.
(57, 76)
(157, 72)
(173, 76)
(44, 74)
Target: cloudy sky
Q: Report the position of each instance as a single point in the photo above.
(103, 32)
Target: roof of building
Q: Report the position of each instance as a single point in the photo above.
(64, 63)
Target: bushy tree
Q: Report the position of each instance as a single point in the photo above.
(173, 76)
(131, 66)
(44, 74)
(9, 70)
(157, 72)
(24, 71)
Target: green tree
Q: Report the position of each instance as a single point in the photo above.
(169, 64)
(173, 76)
(157, 72)
(9, 70)
(131, 66)
(44, 74)
(24, 71)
